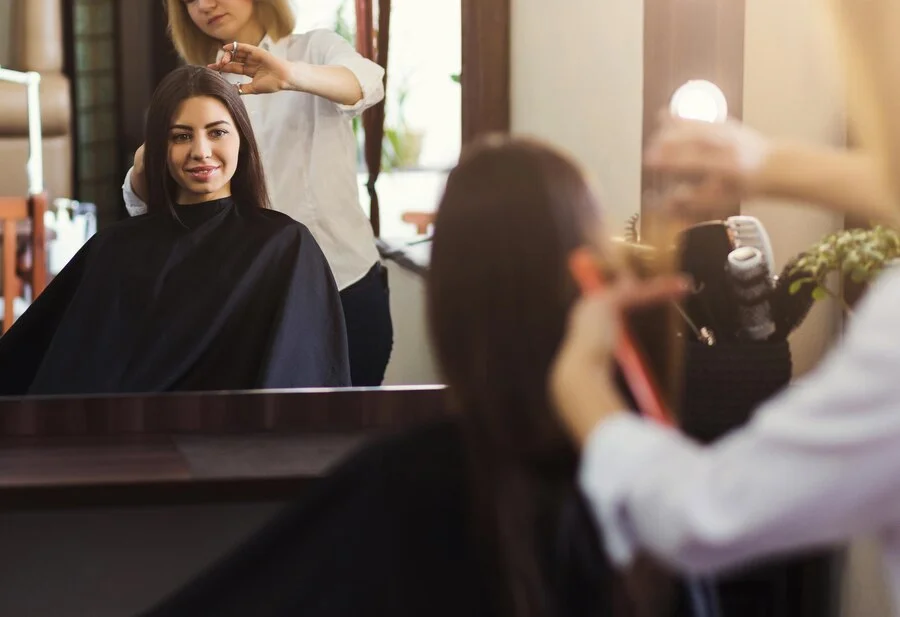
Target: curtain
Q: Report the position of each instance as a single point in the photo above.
(373, 118)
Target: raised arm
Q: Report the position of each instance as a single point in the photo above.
(725, 163)
(134, 185)
(817, 465)
(336, 72)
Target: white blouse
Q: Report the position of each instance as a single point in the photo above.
(818, 464)
(309, 153)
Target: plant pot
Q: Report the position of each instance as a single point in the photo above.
(724, 384)
(402, 148)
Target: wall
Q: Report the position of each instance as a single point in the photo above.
(577, 81)
(412, 359)
(5, 33)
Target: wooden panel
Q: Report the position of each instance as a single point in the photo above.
(485, 67)
(190, 448)
(13, 207)
(158, 470)
(89, 461)
(37, 207)
(691, 39)
(10, 282)
(288, 411)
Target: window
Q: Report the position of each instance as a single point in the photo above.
(423, 110)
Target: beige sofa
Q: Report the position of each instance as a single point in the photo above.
(31, 40)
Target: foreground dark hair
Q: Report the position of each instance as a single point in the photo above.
(499, 293)
(248, 186)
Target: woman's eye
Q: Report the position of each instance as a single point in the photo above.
(180, 138)
(218, 133)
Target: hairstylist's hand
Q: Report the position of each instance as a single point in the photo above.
(581, 378)
(710, 166)
(138, 179)
(269, 73)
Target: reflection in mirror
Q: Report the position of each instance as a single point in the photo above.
(422, 106)
(699, 99)
(209, 290)
(422, 135)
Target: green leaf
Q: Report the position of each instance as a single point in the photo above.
(859, 275)
(798, 285)
(820, 293)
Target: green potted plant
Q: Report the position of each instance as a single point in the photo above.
(402, 143)
(860, 254)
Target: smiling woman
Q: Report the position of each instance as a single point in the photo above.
(203, 151)
(210, 290)
(200, 145)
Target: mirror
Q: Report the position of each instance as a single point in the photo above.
(514, 78)
(110, 57)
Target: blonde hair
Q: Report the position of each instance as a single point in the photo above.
(870, 51)
(195, 47)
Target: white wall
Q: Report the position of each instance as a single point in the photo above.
(577, 81)
(412, 361)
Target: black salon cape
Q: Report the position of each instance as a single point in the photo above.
(234, 298)
(386, 534)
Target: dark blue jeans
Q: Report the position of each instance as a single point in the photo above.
(370, 332)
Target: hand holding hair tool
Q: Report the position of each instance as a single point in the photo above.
(588, 273)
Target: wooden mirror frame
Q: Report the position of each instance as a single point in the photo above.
(485, 75)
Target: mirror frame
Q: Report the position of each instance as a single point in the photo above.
(485, 75)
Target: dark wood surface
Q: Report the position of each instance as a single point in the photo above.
(281, 411)
(485, 77)
(190, 448)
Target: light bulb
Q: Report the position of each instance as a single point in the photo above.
(699, 99)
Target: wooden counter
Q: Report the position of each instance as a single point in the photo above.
(190, 448)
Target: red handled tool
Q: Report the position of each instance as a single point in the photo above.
(588, 274)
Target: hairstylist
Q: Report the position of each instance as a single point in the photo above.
(819, 463)
(312, 84)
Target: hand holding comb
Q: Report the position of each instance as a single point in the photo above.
(587, 271)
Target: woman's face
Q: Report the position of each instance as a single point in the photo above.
(226, 20)
(203, 150)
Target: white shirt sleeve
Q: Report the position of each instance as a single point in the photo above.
(330, 49)
(817, 465)
(134, 204)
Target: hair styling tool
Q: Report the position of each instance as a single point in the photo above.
(587, 271)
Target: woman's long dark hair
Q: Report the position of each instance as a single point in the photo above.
(248, 186)
(499, 293)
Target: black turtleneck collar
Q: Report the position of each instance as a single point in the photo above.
(195, 214)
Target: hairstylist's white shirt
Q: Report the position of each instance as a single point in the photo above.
(309, 153)
(818, 465)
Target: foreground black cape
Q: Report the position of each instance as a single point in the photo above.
(234, 298)
(387, 534)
